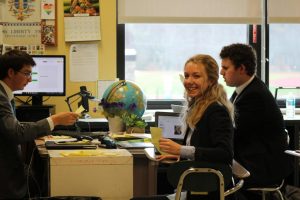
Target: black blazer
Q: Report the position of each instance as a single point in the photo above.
(259, 136)
(213, 136)
(12, 134)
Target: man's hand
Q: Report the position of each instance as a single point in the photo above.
(64, 118)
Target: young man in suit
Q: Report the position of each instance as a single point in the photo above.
(259, 135)
(15, 74)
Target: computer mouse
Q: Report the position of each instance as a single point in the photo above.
(108, 142)
(84, 137)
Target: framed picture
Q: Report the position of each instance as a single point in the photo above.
(48, 32)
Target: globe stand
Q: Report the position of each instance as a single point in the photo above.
(116, 124)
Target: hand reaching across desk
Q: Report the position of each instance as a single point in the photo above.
(64, 118)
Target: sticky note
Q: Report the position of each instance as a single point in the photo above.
(156, 134)
(79, 110)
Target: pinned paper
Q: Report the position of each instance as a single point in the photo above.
(80, 110)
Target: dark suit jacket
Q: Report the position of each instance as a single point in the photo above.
(213, 136)
(12, 134)
(259, 136)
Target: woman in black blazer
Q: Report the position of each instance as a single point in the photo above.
(208, 118)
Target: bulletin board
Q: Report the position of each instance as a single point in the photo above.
(28, 25)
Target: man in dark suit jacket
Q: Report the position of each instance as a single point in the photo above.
(15, 74)
(259, 135)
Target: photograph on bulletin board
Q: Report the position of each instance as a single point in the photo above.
(48, 32)
(81, 7)
(48, 9)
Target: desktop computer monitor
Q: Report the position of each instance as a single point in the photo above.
(48, 78)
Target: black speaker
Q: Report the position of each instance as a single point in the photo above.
(29, 113)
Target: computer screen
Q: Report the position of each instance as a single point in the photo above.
(170, 123)
(48, 78)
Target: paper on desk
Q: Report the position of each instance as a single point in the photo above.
(127, 136)
(80, 110)
(59, 138)
(89, 153)
(156, 134)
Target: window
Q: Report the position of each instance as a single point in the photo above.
(155, 53)
(284, 68)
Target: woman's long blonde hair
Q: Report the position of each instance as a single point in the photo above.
(214, 93)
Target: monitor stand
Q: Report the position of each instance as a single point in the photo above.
(37, 100)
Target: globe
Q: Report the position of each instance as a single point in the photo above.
(124, 96)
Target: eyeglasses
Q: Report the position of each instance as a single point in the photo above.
(26, 74)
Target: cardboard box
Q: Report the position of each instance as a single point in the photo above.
(105, 173)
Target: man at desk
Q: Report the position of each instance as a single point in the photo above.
(259, 136)
(15, 74)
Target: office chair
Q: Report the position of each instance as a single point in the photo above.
(200, 178)
(269, 189)
(274, 188)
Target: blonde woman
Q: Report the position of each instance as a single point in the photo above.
(208, 121)
(208, 118)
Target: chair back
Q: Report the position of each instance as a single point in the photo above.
(202, 176)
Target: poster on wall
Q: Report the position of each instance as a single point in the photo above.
(1, 26)
(28, 22)
(22, 33)
(30, 49)
(22, 11)
(1, 11)
(82, 20)
(21, 22)
(84, 62)
(47, 9)
(48, 32)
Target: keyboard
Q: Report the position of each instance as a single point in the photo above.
(93, 134)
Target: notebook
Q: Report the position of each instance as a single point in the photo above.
(68, 145)
(134, 145)
(171, 124)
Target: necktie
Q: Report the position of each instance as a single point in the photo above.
(232, 98)
(13, 105)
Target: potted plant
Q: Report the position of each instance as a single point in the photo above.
(113, 112)
(112, 109)
(133, 123)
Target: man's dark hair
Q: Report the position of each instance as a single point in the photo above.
(241, 54)
(14, 59)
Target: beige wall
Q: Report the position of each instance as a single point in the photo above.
(107, 53)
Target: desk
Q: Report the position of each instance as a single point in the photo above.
(144, 172)
(293, 127)
(147, 169)
(105, 173)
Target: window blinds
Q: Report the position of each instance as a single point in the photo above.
(189, 11)
(207, 11)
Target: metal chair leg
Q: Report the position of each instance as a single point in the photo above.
(263, 195)
(280, 194)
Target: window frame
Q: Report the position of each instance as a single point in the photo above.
(166, 103)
